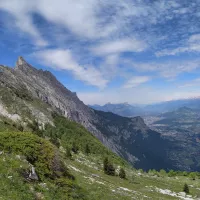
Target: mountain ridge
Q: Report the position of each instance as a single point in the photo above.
(128, 137)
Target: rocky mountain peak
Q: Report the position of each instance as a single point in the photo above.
(20, 61)
(23, 66)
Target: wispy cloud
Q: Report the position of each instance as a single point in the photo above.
(191, 45)
(136, 80)
(63, 60)
(93, 39)
(191, 83)
(120, 46)
(167, 69)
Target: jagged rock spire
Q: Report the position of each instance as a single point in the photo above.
(20, 61)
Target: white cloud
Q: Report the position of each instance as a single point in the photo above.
(136, 80)
(119, 46)
(63, 60)
(192, 45)
(22, 18)
(142, 95)
(191, 83)
(100, 31)
(167, 69)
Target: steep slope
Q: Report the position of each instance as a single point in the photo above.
(23, 88)
(82, 175)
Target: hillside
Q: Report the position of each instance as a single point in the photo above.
(78, 175)
(30, 96)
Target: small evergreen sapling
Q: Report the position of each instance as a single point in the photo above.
(68, 153)
(75, 148)
(122, 173)
(87, 149)
(108, 167)
(186, 189)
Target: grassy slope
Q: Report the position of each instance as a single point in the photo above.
(137, 185)
(90, 181)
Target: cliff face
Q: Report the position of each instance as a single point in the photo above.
(128, 137)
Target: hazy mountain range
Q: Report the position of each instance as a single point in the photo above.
(129, 110)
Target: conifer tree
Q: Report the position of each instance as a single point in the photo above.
(108, 167)
(75, 148)
(186, 189)
(122, 173)
(87, 149)
(68, 153)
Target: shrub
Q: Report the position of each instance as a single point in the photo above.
(163, 172)
(186, 189)
(68, 153)
(192, 175)
(87, 149)
(39, 152)
(108, 167)
(172, 173)
(75, 148)
(122, 173)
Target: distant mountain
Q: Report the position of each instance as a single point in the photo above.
(128, 110)
(123, 109)
(172, 105)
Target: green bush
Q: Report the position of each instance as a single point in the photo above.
(122, 173)
(186, 189)
(192, 175)
(108, 167)
(39, 152)
(172, 173)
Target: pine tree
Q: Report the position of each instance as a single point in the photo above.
(105, 165)
(87, 149)
(186, 189)
(108, 167)
(68, 153)
(122, 173)
(75, 148)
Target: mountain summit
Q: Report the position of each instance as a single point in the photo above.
(20, 61)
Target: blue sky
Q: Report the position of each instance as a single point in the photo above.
(108, 51)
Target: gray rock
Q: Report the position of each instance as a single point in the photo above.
(33, 175)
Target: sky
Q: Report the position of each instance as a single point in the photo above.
(136, 51)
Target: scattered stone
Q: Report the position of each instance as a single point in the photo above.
(44, 185)
(183, 194)
(39, 196)
(95, 175)
(18, 157)
(33, 175)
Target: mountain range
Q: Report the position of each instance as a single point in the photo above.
(129, 110)
(28, 94)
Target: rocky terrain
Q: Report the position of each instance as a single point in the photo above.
(29, 94)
